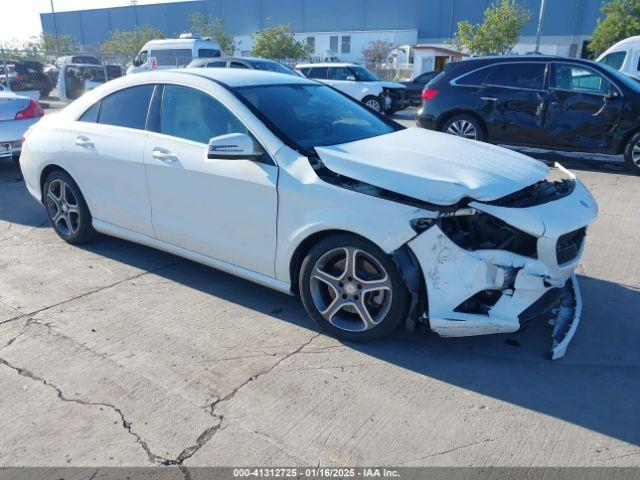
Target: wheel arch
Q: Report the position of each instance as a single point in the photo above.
(625, 140)
(46, 171)
(461, 111)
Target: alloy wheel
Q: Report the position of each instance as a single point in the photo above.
(635, 153)
(373, 104)
(463, 128)
(63, 207)
(351, 289)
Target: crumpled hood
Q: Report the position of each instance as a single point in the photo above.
(434, 167)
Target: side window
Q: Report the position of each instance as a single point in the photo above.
(475, 78)
(518, 75)
(208, 53)
(615, 59)
(90, 115)
(193, 115)
(238, 65)
(126, 108)
(318, 72)
(341, 73)
(574, 77)
(217, 65)
(173, 58)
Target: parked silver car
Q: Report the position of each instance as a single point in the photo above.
(17, 114)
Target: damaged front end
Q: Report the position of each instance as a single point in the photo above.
(492, 267)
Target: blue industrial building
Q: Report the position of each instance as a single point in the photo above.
(567, 23)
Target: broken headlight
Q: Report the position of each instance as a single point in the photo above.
(485, 232)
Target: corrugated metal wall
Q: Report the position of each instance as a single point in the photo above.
(432, 18)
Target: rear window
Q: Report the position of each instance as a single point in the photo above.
(85, 59)
(475, 78)
(518, 75)
(317, 72)
(126, 108)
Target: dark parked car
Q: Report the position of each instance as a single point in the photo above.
(537, 101)
(240, 62)
(114, 71)
(26, 76)
(414, 89)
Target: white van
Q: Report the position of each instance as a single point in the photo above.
(173, 53)
(624, 56)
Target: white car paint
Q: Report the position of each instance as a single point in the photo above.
(442, 175)
(12, 130)
(147, 58)
(355, 89)
(630, 49)
(248, 218)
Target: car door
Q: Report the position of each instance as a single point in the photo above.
(343, 79)
(224, 209)
(512, 102)
(105, 147)
(584, 107)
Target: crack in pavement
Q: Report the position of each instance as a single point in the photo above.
(448, 451)
(153, 458)
(208, 434)
(189, 451)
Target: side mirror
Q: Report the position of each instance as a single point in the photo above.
(234, 146)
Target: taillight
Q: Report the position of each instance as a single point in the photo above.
(33, 110)
(428, 93)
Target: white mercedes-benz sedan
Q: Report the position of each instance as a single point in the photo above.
(291, 184)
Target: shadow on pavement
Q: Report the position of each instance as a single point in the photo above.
(596, 386)
(16, 205)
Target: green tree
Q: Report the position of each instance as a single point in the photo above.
(497, 34)
(621, 20)
(126, 44)
(377, 52)
(210, 27)
(279, 43)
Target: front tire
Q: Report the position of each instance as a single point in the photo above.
(632, 154)
(66, 208)
(465, 126)
(373, 103)
(352, 289)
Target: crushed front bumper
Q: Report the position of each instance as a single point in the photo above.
(478, 292)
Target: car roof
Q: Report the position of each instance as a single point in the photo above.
(326, 64)
(243, 77)
(179, 41)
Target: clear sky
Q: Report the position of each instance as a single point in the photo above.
(21, 18)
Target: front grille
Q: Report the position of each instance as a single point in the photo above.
(569, 245)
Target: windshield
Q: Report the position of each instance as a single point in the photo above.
(311, 116)
(272, 67)
(363, 75)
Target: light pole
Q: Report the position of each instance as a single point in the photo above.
(55, 28)
(540, 19)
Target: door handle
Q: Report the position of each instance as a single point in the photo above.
(489, 99)
(83, 141)
(163, 155)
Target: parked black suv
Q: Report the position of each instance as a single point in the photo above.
(25, 76)
(540, 101)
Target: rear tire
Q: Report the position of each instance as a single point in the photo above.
(352, 289)
(66, 208)
(465, 126)
(632, 154)
(44, 93)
